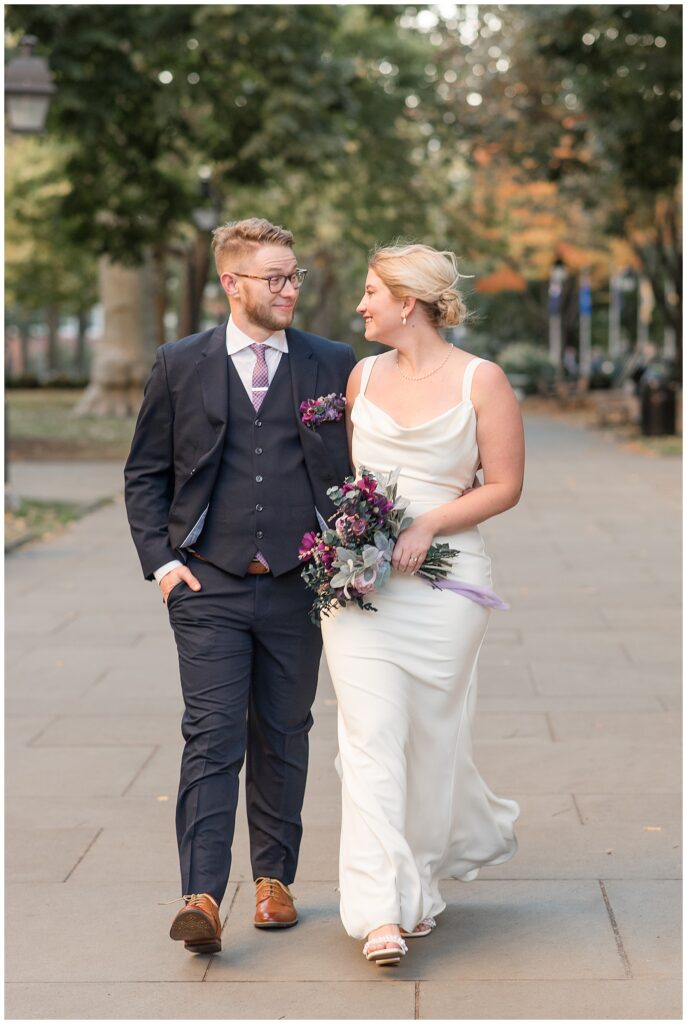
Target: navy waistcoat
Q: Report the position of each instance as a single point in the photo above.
(262, 499)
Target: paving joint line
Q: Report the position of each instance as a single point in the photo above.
(231, 906)
(71, 617)
(533, 681)
(98, 679)
(45, 728)
(577, 808)
(616, 932)
(145, 764)
(89, 847)
(489, 979)
(628, 656)
(417, 1000)
(549, 726)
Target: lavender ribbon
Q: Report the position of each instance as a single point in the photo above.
(481, 595)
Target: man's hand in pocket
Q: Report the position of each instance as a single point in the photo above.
(182, 574)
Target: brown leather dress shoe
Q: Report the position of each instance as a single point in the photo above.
(273, 904)
(198, 924)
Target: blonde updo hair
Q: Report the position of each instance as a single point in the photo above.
(426, 274)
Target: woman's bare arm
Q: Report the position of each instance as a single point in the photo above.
(352, 389)
(500, 438)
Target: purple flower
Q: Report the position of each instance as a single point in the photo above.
(326, 554)
(325, 409)
(307, 545)
(367, 486)
(382, 505)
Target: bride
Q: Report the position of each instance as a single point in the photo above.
(414, 808)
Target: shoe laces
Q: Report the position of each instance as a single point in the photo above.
(192, 899)
(270, 888)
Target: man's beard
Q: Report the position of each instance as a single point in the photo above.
(263, 315)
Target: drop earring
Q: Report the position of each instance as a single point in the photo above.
(404, 320)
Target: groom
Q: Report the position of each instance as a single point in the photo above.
(222, 481)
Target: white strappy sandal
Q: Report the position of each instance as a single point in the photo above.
(385, 956)
(424, 927)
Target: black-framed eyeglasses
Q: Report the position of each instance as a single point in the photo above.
(277, 284)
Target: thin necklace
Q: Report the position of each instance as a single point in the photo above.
(424, 375)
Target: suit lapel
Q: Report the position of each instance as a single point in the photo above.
(304, 370)
(303, 373)
(212, 368)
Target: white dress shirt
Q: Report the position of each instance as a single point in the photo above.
(244, 361)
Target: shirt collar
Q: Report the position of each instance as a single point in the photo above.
(237, 340)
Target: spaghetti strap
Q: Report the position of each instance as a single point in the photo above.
(468, 374)
(367, 370)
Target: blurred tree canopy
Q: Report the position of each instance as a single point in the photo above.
(149, 94)
(46, 272)
(510, 133)
(581, 103)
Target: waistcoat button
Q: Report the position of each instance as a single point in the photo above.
(258, 423)
(258, 508)
(258, 479)
(258, 451)
(259, 535)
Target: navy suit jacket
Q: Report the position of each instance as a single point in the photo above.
(180, 434)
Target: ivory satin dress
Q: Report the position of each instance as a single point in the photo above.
(414, 807)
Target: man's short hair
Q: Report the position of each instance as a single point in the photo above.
(235, 239)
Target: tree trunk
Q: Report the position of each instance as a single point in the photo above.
(661, 261)
(81, 355)
(195, 279)
(52, 354)
(322, 317)
(24, 340)
(159, 269)
(120, 365)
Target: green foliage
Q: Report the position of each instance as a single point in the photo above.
(43, 266)
(352, 125)
(126, 166)
(508, 316)
(623, 67)
(150, 93)
(530, 361)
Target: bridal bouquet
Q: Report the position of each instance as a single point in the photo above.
(350, 561)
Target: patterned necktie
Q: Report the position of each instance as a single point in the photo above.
(261, 380)
(259, 386)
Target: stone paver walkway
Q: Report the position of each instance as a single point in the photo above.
(578, 720)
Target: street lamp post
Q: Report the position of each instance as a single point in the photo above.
(29, 87)
(556, 280)
(614, 317)
(206, 217)
(585, 306)
(622, 283)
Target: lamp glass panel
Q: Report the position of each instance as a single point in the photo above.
(27, 113)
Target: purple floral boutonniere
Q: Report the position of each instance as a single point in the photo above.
(325, 409)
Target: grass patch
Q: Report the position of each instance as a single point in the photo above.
(656, 445)
(38, 520)
(42, 425)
